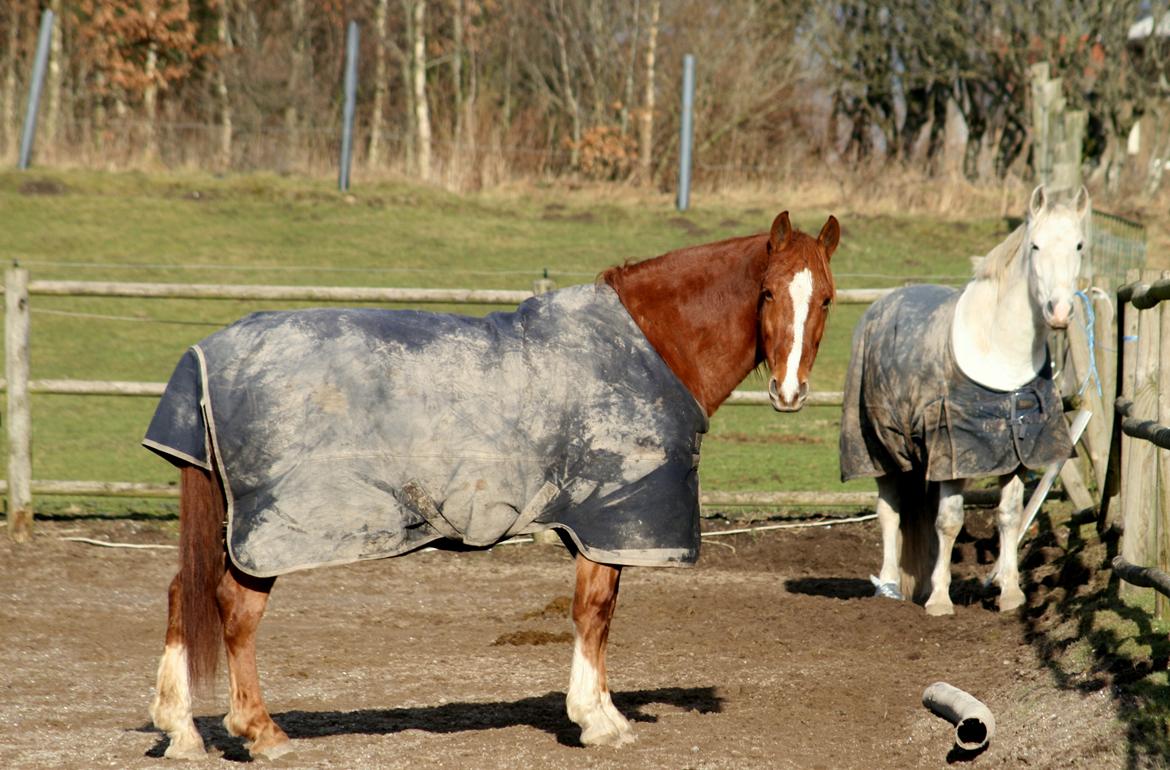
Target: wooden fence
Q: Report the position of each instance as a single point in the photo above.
(1090, 357)
(20, 486)
(1139, 461)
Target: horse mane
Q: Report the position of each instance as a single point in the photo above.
(995, 263)
(703, 254)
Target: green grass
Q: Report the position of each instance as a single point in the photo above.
(297, 231)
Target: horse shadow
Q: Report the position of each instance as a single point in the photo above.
(544, 712)
(830, 587)
(964, 591)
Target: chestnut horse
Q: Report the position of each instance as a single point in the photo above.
(713, 313)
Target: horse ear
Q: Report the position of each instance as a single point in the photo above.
(830, 236)
(1039, 199)
(1082, 203)
(781, 231)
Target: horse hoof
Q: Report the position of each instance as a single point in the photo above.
(607, 736)
(885, 590)
(938, 609)
(272, 752)
(1007, 603)
(187, 752)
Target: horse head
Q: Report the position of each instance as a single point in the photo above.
(1055, 244)
(795, 295)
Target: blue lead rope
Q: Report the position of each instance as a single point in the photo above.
(1090, 324)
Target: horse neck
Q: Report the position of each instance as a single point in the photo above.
(999, 336)
(699, 309)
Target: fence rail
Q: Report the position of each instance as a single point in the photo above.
(20, 486)
(325, 293)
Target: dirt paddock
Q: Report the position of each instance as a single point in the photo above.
(771, 653)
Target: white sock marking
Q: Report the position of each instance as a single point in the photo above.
(584, 685)
(171, 709)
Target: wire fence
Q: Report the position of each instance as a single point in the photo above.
(1117, 245)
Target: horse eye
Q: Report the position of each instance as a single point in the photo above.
(1035, 247)
(825, 304)
(1080, 245)
(766, 295)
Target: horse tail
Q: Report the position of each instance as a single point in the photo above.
(202, 512)
(919, 505)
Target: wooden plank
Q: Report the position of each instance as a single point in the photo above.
(1145, 430)
(1141, 576)
(155, 389)
(99, 488)
(290, 293)
(1074, 486)
(1137, 541)
(1120, 458)
(1146, 292)
(328, 293)
(1162, 474)
(825, 499)
(16, 330)
(981, 497)
(92, 387)
(1094, 444)
(1105, 339)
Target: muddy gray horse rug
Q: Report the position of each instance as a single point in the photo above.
(345, 435)
(909, 407)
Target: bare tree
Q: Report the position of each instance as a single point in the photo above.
(53, 96)
(296, 71)
(646, 134)
(12, 19)
(421, 108)
(224, 40)
(381, 86)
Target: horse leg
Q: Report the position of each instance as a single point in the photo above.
(947, 525)
(171, 709)
(1008, 518)
(242, 600)
(194, 629)
(889, 518)
(588, 702)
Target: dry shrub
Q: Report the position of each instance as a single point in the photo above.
(605, 154)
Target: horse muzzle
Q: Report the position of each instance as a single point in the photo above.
(1057, 314)
(780, 404)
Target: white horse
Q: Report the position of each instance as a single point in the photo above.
(945, 386)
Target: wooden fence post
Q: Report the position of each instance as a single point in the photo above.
(1140, 469)
(1105, 337)
(1127, 337)
(1161, 477)
(1089, 451)
(16, 326)
(1090, 367)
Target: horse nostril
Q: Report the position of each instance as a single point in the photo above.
(1050, 307)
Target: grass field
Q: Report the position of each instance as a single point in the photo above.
(297, 231)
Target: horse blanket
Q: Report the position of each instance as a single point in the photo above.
(344, 435)
(908, 405)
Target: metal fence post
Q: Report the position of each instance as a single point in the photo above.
(686, 131)
(351, 54)
(16, 333)
(34, 88)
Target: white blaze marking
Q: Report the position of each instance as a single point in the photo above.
(800, 290)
